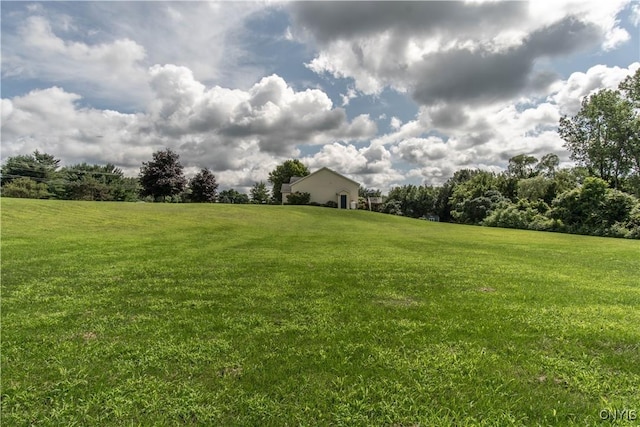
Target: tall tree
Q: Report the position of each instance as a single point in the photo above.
(548, 165)
(259, 193)
(522, 166)
(630, 88)
(204, 187)
(283, 173)
(445, 193)
(163, 176)
(601, 136)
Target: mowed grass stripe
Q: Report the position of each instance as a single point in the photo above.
(150, 314)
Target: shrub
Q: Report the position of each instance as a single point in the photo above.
(331, 204)
(298, 198)
(25, 188)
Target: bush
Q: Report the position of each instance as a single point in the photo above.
(298, 198)
(25, 188)
(523, 214)
(633, 224)
(542, 223)
(393, 207)
(331, 204)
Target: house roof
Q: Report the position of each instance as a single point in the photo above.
(325, 168)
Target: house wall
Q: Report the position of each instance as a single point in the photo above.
(325, 185)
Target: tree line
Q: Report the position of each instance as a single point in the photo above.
(599, 196)
(39, 176)
(162, 179)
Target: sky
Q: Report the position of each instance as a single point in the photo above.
(386, 93)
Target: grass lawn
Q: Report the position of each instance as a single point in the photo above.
(162, 314)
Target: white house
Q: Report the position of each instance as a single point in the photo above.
(325, 185)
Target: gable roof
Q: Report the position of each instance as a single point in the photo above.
(327, 169)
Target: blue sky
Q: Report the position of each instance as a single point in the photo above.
(388, 93)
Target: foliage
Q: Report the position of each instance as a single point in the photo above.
(521, 166)
(444, 200)
(411, 200)
(593, 209)
(524, 214)
(233, 196)
(331, 204)
(282, 174)
(41, 167)
(368, 192)
(393, 207)
(75, 182)
(633, 224)
(548, 165)
(474, 199)
(25, 188)
(259, 193)
(132, 314)
(604, 137)
(298, 198)
(204, 187)
(162, 177)
(96, 182)
(535, 188)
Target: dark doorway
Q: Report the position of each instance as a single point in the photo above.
(343, 201)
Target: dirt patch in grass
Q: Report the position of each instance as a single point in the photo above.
(89, 336)
(487, 289)
(398, 301)
(230, 371)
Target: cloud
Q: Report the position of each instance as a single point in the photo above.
(487, 136)
(371, 166)
(452, 52)
(114, 70)
(421, 150)
(634, 17)
(234, 132)
(270, 113)
(104, 50)
(569, 94)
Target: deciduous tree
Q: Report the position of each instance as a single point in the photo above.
(522, 166)
(259, 193)
(204, 187)
(233, 196)
(283, 173)
(603, 136)
(163, 176)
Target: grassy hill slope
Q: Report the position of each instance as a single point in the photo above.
(151, 314)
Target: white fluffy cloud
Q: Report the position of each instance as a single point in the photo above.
(240, 134)
(486, 137)
(569, 94)
(371, 165)
(480, 75)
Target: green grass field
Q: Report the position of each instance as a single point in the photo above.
(163, 314)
